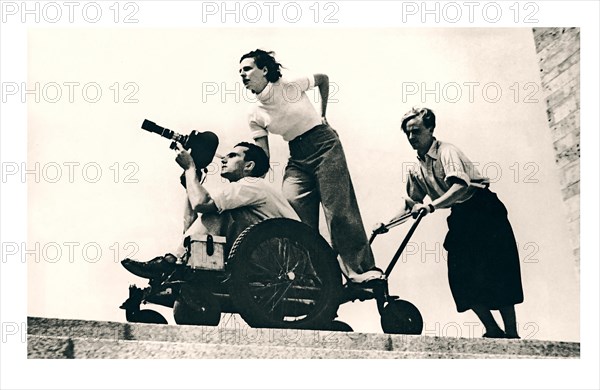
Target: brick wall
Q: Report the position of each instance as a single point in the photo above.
(558, 54)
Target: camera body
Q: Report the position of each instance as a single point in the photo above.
(203, 145)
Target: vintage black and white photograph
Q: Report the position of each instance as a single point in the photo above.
(202, 183)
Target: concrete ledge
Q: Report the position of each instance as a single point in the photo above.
(56, 338)
(39, 347)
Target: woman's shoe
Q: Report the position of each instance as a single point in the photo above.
(494, 334)
(512, 336)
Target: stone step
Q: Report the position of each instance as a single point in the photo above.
(49, 337)
(42, 347)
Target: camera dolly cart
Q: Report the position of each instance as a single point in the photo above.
(279, 273)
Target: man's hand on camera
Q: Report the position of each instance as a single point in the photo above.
(184, 158)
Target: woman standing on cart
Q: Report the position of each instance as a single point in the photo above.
(316, 172)
(483, 262)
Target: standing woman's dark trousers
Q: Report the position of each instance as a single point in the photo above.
(483, 261)
(317, 173)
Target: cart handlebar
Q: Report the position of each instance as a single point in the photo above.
(399, 220)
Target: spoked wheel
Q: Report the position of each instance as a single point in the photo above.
(401, 317)
(284, 274)
(196, 306)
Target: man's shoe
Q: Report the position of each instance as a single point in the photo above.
(149, 269)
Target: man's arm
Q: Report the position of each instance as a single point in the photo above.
(189, 215)
(199, 199)
(322, 81)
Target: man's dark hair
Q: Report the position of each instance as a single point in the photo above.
(425, 114)
(257, 154)
(266, 59)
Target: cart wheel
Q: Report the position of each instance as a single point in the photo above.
(145, 317)
(339, 326)
(401, 317)
(284, 274)
(196, 306)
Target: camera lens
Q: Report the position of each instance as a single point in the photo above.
(154, 128)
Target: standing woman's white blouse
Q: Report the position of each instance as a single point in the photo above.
(284, 108)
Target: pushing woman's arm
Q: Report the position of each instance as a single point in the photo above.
(458, 192)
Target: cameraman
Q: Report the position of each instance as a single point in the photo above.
(226, 212)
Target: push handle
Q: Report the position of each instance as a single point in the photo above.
(411, 231)
(386, 227)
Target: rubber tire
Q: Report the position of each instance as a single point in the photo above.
(401, 317)
(146, 317)
(196, 306)
(252, 254)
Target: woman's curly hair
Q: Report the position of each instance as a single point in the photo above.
(266, 59)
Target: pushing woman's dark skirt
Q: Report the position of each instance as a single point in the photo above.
(483, 261)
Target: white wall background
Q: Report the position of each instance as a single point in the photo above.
(174, 70)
